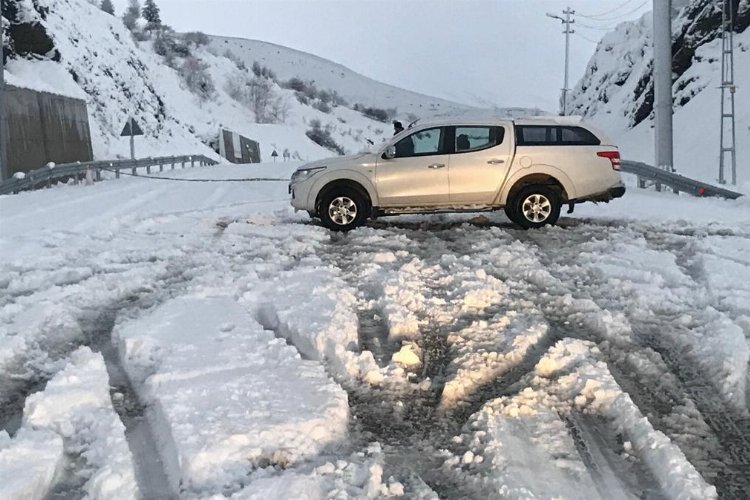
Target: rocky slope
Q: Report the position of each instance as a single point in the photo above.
(616, 91)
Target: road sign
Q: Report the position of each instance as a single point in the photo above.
(131, 129)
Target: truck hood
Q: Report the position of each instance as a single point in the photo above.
(333, 162)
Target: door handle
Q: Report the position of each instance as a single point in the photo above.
(436, 165)
(496, 162)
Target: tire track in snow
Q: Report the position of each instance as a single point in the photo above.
(96, 321)
(602, 454)
(149, 469)
(403, 417)
(723, 457)
(560, 327)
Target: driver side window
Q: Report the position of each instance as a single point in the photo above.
(422, 143)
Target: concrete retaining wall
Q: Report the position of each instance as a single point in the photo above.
(43, 127)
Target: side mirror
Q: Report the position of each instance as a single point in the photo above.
(390, 153)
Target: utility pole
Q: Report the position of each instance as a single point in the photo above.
(567, 21)
(663, 84)
(728, 149)
(4, 171)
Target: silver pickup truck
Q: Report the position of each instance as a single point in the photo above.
(530, 168)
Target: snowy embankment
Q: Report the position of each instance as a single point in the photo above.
(269, 358)
(99, 61)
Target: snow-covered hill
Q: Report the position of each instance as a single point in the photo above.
(84, 52)
(289, 63)
(616, 92)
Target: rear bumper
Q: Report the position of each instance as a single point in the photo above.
(616, 191)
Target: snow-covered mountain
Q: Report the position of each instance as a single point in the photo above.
(182, 93)
(355, 88)
(616, 91)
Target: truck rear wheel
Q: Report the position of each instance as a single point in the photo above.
(535, 206)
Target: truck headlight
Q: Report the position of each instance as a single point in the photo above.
(305, 173)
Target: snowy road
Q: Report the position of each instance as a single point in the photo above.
(234, 349)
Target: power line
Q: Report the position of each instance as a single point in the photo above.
(605, 13)
(619, 16)
(581, 35)
(597, 28)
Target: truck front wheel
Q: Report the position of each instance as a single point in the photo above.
(343, 209)
(535, 206)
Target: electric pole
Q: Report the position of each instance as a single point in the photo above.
(663, 139)
(4, 171)
(567, 21)
(728, 149)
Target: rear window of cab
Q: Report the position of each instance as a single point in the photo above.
(545, 135)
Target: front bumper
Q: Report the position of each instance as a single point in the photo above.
(298, 193)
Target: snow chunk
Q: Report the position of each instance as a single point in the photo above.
(314, 309)
(77, 406)
(29, 464)
(521, 454)
(360, 476)
(409, 356)
(226, 400)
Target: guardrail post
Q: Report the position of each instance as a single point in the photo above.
(134, 170)
(148, 168)
(183, 162)
(161, 164)
(173, 160)
(192, 162)
(98, 174)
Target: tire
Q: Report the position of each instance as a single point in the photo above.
(535, 206)
(343, 209)
(511, 214)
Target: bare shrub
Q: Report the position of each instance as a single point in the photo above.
(259, 96)
(322, 136)
(194, 73)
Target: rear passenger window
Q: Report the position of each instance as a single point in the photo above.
(578, 136)
(470, 139)
(541, 135)
(536, 135)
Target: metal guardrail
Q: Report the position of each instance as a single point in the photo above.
(677, 182)
(43, 177)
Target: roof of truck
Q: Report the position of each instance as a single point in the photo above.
(460, 120)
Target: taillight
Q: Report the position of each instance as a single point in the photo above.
(613, 156)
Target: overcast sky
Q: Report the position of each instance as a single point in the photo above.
(505, 52)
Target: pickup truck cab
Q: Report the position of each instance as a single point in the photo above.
(530, 168)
